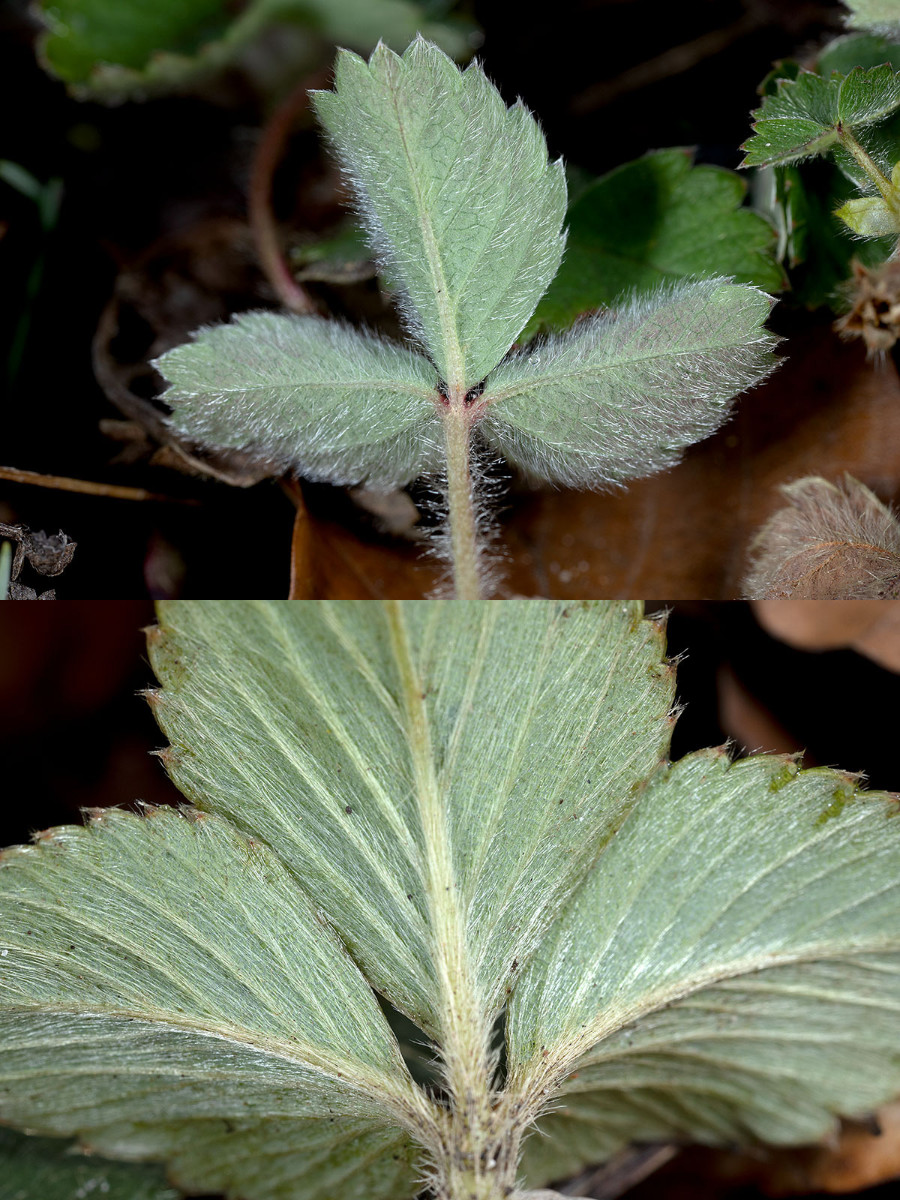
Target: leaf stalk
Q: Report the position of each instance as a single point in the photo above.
(462, 514)
(871, 168)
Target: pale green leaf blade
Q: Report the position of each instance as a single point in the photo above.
(869, 216)
(802, 118)
(310, 395)
(879, 16)
(457, 195)
(623, 393)
(653, 221)
(45, 1169)
(730, 971)
(164, 974)
(303, 723)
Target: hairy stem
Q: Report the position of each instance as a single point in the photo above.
(465, 548)
(871, 168)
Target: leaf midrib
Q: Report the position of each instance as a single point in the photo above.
(490, 398)
(286, 389)
(378, 1087)
(654, 1001)
(455, 360)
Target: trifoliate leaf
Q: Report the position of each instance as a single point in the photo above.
(46, 1169)
(622, 394)
(462, 206)
(730, 970)
(880, 16)
(803, 117)
(830, 542)
(653, 221)
(308, 393)
(134, 48)
(167, 990)
(423, 769)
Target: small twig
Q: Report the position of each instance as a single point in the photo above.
(111, 490)
(269, 151)
(674, 61)
(623, 1171)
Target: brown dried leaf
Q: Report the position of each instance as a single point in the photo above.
(831, 542)
(865, 1154)
(874, 314)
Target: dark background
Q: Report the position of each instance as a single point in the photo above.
(609, 79)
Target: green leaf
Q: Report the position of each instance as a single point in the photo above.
(869, 216)
(44, 1169)
(802, 118)
(622, 394)
(393, 752)
(730, 970)
(6, 556)
(463, 209)
(818, 249)
(652, 221)
(882, 16)
(135, 48)
(342, 257)
(167, 990)
(857, 50)
(308, 393)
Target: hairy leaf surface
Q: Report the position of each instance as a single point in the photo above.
(312, 394)
(165, 987)
(410, 759)
(456, 192)
(46, 1169)
(830, 542)
(801, 119)
(622, 394)
(652, 221)
(730, 970)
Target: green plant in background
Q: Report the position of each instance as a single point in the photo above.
(6, 558)
(652, 222)
(135, 48)
(812, 115)
(844, 113)
(37, 1169)
(47, 199)
(465, 214)
(465, 808)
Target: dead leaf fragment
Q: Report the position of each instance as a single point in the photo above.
(46, 554)
(830, 542)
(875, 312)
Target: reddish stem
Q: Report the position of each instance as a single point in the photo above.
(269, 152)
